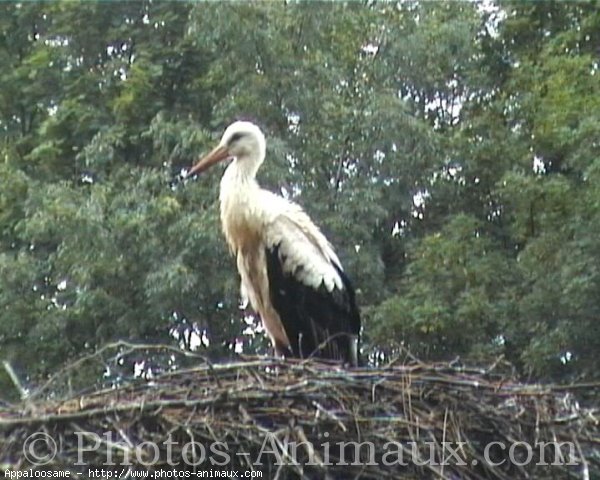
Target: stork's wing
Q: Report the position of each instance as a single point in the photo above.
(309, 290)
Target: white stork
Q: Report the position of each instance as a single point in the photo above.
(289, 271)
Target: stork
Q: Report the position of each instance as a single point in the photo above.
(289, 270)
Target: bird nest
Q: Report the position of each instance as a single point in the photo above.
(288, 419)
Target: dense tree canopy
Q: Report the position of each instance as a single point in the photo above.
(449, 150)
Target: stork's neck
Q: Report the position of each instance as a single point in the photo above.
(240, 175)
(244, 169)
(240, 215)
(239, 181)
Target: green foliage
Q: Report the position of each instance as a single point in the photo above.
(518, 164)
(452, 295)
(449, 151)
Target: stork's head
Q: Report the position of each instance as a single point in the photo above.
(242, 141)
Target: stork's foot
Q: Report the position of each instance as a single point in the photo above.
(283, 351)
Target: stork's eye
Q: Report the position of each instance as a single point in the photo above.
(235, 137)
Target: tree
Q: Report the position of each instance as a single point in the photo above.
(448, 150)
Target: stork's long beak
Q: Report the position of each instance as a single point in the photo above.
(216, 155)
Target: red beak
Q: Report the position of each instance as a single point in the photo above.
(216, 155)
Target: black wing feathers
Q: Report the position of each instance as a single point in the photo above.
(318, 323)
